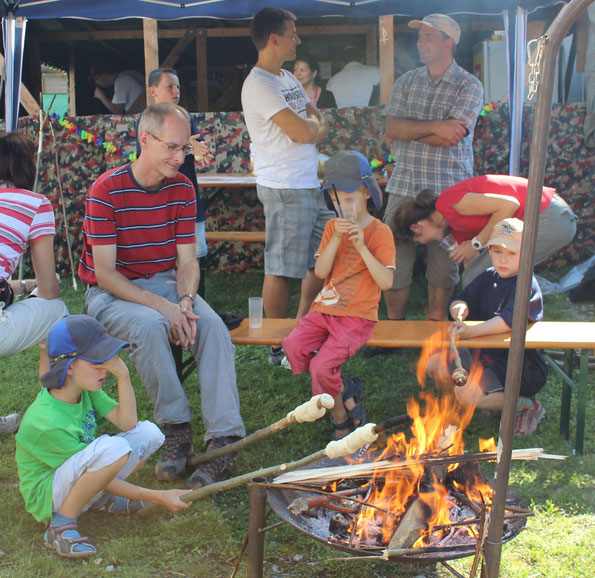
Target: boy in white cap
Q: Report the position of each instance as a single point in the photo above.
(356, 258)
(63, 469)
(490, 298)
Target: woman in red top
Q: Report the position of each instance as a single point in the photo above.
(468, 212)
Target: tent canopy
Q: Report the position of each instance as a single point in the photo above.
(236, 9)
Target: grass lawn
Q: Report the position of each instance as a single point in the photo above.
(206, 539)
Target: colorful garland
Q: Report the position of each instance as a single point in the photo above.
(490, 107)
(90, 137)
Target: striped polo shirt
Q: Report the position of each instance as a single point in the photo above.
(145, 225)
(24, 218)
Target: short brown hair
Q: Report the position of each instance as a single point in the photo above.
(266, 22)
(153, 116)
(413, 211)
(17, 160)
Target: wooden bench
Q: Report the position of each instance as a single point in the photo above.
(568, 336)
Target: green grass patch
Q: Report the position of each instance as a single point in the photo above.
(206, 539)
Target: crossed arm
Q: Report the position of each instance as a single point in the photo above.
(309, 130)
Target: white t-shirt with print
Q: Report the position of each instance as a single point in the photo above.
(279, 162)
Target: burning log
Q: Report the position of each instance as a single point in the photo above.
(411, 526)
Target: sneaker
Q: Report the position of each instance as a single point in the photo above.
(528, 419)
(216, 470)
(10, 423)
(276, 357)
(176, 449)
(285, 363)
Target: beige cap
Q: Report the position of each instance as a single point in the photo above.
(440, 22)
(507, 233)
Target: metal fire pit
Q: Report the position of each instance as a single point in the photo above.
(280, 498)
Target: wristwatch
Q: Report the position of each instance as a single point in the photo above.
(476, 244)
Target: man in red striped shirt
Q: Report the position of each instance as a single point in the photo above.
(140, 265)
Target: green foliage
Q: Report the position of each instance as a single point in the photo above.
(206, 539)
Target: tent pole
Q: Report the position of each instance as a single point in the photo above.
(541, 125)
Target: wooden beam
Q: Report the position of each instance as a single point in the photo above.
(387, 57)
(178, 49)
(27, 99)
(202, 95)
(151, 43)
(71, 84)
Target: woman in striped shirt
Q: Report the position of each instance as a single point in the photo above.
(26, 221)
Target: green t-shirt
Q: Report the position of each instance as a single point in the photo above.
(51, 432)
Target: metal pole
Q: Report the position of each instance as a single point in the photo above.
(541, 125)
(255, 534)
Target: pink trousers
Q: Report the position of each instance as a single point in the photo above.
(336, 338)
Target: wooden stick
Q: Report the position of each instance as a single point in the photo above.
(339, 209)
(459, 375)
(318, 402)
(64, 214)
(321, 475)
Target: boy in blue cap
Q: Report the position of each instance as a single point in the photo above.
(63, 469)
(356, 258)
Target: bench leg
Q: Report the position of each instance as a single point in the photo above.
(566, 397)
(581, 400)
(203, 273)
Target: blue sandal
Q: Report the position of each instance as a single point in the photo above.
(352, 389)
(67, 541)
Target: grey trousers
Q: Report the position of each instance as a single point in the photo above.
(146, 330)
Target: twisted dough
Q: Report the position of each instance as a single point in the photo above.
(353, 442)
(313, 409)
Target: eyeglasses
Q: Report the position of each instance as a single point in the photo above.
(171, 148)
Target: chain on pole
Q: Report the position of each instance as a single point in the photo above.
(534, 55)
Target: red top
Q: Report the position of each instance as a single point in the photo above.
(146, 225)
(465, 227)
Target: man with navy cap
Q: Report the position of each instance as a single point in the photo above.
(430, 120)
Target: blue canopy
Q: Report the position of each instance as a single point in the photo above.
(234, 9)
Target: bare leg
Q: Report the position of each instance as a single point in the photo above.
(473, 395)
(275, 296)
(438, 298)
(339, 413)
(396, 302)
(88, 485)
(311, 286)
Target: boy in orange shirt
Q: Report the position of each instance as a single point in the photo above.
(356, 258)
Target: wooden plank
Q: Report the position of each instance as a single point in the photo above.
(386, 43)
(235, 236)
(178, 49)
(151, 44)
(246, 180)
(71, 84)
(552, 334)
(202, 95)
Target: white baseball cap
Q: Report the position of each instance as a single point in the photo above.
(440, 22)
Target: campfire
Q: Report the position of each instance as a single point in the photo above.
(406, 497)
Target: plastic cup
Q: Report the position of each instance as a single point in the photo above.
(349, 207)
(449, 243)
(255, 312)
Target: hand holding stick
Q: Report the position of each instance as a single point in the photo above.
(310, 411)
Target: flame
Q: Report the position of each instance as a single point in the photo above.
(487, 445)
(438, 425)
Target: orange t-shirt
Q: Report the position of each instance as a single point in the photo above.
(350, 289)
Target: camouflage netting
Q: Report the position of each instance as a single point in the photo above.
(570, 168)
